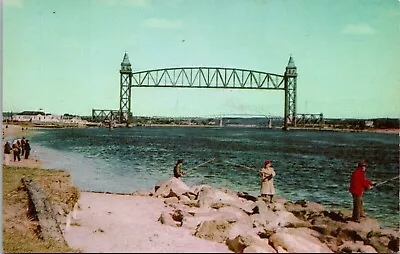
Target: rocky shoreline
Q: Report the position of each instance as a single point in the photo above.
(203, 218)
(251, 224)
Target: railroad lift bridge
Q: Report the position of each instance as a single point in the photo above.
(208, 77)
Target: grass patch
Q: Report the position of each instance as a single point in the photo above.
(20, 228)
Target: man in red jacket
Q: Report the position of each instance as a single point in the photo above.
(359, 183)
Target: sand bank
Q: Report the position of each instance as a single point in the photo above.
(119, 223)
(125, 223)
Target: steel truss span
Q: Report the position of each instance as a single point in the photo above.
(208, 77)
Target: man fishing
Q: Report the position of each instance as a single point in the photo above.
(178, 172)
(359, 183)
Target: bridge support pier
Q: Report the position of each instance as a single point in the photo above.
(125, 115)
(290, 78)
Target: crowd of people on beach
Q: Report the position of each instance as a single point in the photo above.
(358, 184)
(18, 148)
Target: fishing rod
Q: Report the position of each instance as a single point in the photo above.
(199, 165)
(386, 181)
(239, 165)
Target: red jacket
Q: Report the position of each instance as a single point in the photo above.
(358, 182)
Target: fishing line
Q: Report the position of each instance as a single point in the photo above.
(386, 181)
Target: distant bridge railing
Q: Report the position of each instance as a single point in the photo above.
(208, 77)
(310, 120)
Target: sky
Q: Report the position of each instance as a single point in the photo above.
(64, 56)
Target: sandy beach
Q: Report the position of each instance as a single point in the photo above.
(114, 223)
(120, 223)
(125, 223)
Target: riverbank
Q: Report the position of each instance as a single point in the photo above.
(99, 217)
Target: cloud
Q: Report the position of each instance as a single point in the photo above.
(13, 3)
(139, 3)
(163, 23)
(360, 29)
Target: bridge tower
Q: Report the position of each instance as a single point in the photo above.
(290, 94)
(125, 115)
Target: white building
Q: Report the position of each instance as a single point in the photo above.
(35, 116)
(39, 117)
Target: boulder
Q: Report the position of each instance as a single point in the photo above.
(190, 195)
(285, 219)
(256, 248)
(166, 219)
(184, 199)
(194, 220)
(240, 242)
(264, 218)
(244, 229)
(298, 240)
(364, 227)
(261, 207)
(384, 241)
(238, 213)
(246, 196)
(229, 214)
(304, 209)
(171, 200)
(214, 230)
(208, 196)
(325, 225)
(195, 189)
(281, 250)
(358, 247)
(172, 187)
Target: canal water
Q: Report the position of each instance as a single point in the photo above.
(310, 165)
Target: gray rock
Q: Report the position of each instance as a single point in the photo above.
(214, 230)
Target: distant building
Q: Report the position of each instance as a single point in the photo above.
(34, 116)
(40, 117)
(369, 123)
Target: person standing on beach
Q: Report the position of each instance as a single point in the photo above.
(359, 183)
(16, 151)
(178, 172)
(23, 146)
(27, 149)
(267, 174)
(7, 153)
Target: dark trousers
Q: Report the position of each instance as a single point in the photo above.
(16, 156)
(27, 152)
(358, 209)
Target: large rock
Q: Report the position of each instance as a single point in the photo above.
(364, 227)
(244, 229)
(214, 230)
(207, 196)
(228, 214)
(285, 219)
(166, 219)
(195, 189)
(298, 240)
(263, 219)
(240, 243)
(243, 234)
(304, 209)
(257, 248)
(238, 213)
(172, 187)
(356, 247)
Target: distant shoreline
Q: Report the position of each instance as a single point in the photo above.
(367, 130)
